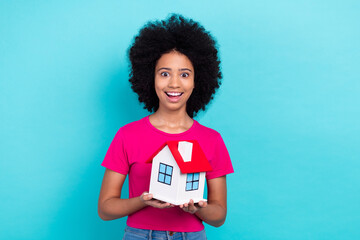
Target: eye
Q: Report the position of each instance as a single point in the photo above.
(184, 74)
(164, 74)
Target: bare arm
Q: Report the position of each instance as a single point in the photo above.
(214, 211)
(110, 204)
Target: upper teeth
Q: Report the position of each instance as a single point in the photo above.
(173, 94)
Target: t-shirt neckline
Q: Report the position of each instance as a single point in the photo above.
(170, 134)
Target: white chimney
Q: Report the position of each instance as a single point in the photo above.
(185, 149)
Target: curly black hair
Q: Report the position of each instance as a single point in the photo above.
(185, 36)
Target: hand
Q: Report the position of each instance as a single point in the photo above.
(191, 207)
(147, 198)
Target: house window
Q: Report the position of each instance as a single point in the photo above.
(165, 173)
(192, 181)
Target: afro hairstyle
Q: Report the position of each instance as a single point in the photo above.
(185, 36)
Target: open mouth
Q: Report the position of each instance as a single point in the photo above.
(174, 94)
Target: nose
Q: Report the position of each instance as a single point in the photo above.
(174, 82)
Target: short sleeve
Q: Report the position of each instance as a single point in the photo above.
(220, 160)
(116, 157)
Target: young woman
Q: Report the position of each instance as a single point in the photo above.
(175, 72)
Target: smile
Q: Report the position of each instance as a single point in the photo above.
(174, 94)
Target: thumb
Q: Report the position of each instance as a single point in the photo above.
(147, 196)
(202, 204)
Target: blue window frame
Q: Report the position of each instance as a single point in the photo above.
(192, 181)
(165, 173)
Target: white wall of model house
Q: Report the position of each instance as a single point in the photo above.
(175, 193)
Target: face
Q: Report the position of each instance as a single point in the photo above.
(174, 81)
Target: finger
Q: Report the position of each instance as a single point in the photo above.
(153, 203)
(192, 207)
(147, 196)
(202, 204)
(158, 204)
(164, 205)
(183, 207)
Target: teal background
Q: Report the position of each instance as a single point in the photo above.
(288, 111)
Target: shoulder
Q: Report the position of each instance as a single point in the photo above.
(132, 127)
(207, 129)
(134, 124)
(208, 132)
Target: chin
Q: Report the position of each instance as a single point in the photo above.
(174, 108)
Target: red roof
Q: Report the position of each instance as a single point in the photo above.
(198, 163)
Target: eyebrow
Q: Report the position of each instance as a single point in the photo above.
(181, 69)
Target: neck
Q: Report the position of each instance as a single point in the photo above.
(174, 117)
(171, 118)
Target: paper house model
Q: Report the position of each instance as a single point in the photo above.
(178, 172)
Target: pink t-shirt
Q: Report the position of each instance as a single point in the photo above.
(135, 142)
